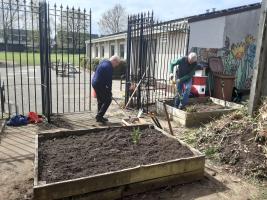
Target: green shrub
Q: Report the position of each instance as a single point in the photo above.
(120, 70)
(94, 63)
(84, 62)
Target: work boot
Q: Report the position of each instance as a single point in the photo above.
(105, 119)
(101, 120)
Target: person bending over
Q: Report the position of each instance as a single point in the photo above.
(186, 69)
(102, 84)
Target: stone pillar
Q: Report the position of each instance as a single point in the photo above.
(258, 87)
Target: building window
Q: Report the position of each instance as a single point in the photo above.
(102, 51)
(122, 50)
(96, 52)
(112, 50)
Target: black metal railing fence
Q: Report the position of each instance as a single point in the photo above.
(43, 61)
(151, 46)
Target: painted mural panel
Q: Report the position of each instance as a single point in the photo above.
(239, 45)
(238, 59)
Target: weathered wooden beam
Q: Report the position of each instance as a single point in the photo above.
(144, 186)
(260, 70)
(193, 119)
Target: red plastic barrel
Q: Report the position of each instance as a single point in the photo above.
(199, 80)
(199, 85)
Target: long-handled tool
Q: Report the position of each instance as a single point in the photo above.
(180, 97)
(168, 118)
(136, 88)
(131, 119)
(155, 120)
(140, 112)
(125, 114)
(222, 84)
(209, 77)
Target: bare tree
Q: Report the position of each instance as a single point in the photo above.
(74, 29)
(8, 18)
(12, 17)
(113, 20)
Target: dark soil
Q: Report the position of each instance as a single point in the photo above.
(204, 107)
(106, 151)
(232, 139)
(201, 107)
(247, 156)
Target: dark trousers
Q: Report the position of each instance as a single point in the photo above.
(103, 96)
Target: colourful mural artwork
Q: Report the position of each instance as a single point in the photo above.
(238, 59)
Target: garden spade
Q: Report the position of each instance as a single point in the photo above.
(222, 84)
(131, 119)
(125, 114)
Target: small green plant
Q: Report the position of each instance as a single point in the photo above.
(136, 135)
(190, 137)
(210, 152)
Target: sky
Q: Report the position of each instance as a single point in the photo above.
(163, 9)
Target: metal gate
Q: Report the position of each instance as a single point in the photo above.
(151, 46)
(44, 65)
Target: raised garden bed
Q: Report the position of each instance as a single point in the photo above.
(109, 163)
(199, 110)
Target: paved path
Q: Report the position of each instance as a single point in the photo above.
(16, 162)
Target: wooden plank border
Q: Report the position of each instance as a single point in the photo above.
(140, 187)
(141, 122)
(192, 119)
(121, 178)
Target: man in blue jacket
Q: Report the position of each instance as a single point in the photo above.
(186, 69)
(102, 84)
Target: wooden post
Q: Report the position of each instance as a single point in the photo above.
(260, 71)
(168, 118)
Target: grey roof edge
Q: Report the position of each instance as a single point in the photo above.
(225, 12)
(113, 34)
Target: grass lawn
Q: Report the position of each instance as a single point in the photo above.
(35, 57)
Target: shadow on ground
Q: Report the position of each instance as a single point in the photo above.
(205, 187)
(81, 121)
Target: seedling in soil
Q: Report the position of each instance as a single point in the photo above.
(136, 135)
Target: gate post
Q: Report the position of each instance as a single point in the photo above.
(44, 59)
(127, 75)
(141, 61)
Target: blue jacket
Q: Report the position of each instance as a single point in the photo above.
(103, 75)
